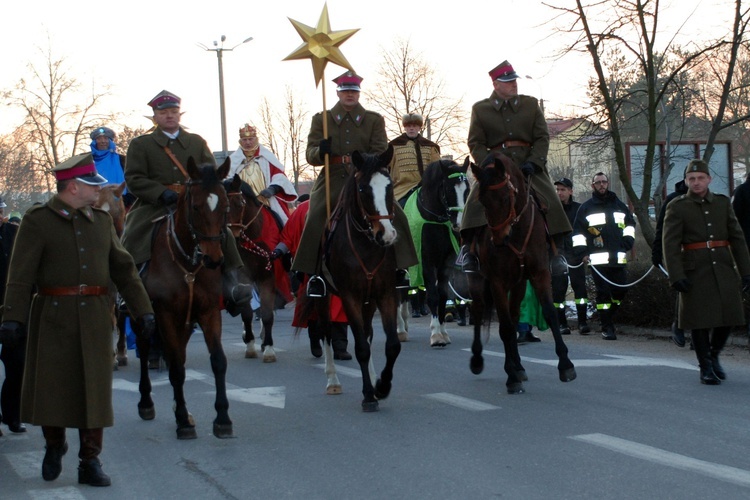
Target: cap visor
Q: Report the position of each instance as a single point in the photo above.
(93, 180)
(349, 87)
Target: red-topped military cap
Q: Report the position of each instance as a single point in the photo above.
(164, 100)
(348, 81)
(503, 72)
(79, 167)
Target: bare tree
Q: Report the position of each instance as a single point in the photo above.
(410, 84)
(628, 29)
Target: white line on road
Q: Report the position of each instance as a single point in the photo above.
(461, 402)
(274, 397)
(722, 472)
(342, 370)
(613, 360)
(64, 493)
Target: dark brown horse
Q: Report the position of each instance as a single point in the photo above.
(246, 222)
(362, 269)
(511, 249)
(184, 283)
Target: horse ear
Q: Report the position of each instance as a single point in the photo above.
(467, 163)
(476, 170)
(118, 191)
(387, 156)
(236, 183)
(223, 170)
(192, 169)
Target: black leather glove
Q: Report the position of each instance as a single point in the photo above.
(147, 326)
(12, 333)
(270, 191)
(528, 169)
(682, 285)
(656, 258)
(323, 148)
(627, 242)
(168, 197)
(277, 253)
(746, 283)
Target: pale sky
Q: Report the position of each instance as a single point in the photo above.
(140, 47)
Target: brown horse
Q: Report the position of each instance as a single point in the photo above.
(184, 283)
(246, 222)
(362, 269)
(511, 249)
(110, 200)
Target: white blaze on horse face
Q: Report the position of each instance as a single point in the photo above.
(379, 184)
(213, 201)
(461, 189)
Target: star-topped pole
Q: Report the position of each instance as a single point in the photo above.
(321, 45)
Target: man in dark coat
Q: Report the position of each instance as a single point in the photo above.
(65, 254)
(704, 248)
(576, 273)
(741, 206)
(350, 128)
(603, 233)
(155, 174)
(513, 125)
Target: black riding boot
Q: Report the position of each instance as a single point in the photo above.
(564, 328)
(56, 448)
(718, 340)
(608, 327)
(236, 294)
(339, 341)
(702, 346)
(466, 260)
(583, 324)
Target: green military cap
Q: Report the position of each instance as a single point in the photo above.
(697, 165)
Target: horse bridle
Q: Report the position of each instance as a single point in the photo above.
(443, 200)
(367, 217)
(245, 242)
(513, 217)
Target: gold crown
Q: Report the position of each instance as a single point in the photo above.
(248, 131)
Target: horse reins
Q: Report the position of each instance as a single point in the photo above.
(245, 242)
(513, 218)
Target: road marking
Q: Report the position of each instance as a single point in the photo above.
(64, 493)
(613, 360)
(722, 472)
(461, 402)
(342, 370)
(273, 397)
(27, 464)
(125, 385)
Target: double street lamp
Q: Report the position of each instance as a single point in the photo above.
(220, 49)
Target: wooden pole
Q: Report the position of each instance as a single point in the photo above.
(326, 159)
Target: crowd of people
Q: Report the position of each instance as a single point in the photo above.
(57, 264)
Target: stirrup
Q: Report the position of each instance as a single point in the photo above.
(467, 261)
(316, 287)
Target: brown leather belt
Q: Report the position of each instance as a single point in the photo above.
(511, 144)
(340, 160)
(74, 290)
(705, 244)
(177, 188)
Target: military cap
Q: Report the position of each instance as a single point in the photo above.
(348, 81)
(697, 165)
(564, 181)
(503, 72)
(412, 119)
(2, 202)
(164, 100)
(103, 131)
(248, 131)
(79, 167)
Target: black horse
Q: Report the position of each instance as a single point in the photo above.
(435, 210)
(512, 249)
(361, 266)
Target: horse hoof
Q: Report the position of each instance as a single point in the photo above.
(568, 375)
(382, 390)
(521, 374)
(186, 433)
(147, 413)
(403, 337)
(437, 340)
(122, 361)
(251, 354)
(369, 406)
(476, 364)
(223, 431)
(446, 338)
(333, 390)
(269, 356)
(516, 389)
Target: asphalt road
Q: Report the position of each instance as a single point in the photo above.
(636, 423)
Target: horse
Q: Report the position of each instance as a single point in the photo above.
(361, 268)
(511, 249)
(435, 210)
(183, 281)
(110, 200)
(246, 222)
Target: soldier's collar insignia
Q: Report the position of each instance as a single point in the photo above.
(64, 212)
(358, 118)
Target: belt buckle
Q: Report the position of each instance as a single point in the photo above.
(709, 244)
(81, 289)
(503, 145)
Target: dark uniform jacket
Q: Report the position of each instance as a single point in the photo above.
(571, 209)
(494, 122)
(405, 169)
(741, 206)
(714, 299)
(355, 130)
(656, 252)
(68, 371)
(604, 229)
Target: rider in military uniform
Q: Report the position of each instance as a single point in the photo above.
(704, 248)
(513, 125)
(350, 128)
(155, 174)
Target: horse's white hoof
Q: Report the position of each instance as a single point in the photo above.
(437, 340)
(333, 390)
(250, 351)
(446, 338)
(269, 356)
(403, 337)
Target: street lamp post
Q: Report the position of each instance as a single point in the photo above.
(220, 49)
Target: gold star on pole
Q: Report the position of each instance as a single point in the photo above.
(321, 45)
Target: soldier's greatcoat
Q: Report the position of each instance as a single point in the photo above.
(355, 130)
(148, 173)
(494, 122)
(714, 299)
(68, 371)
